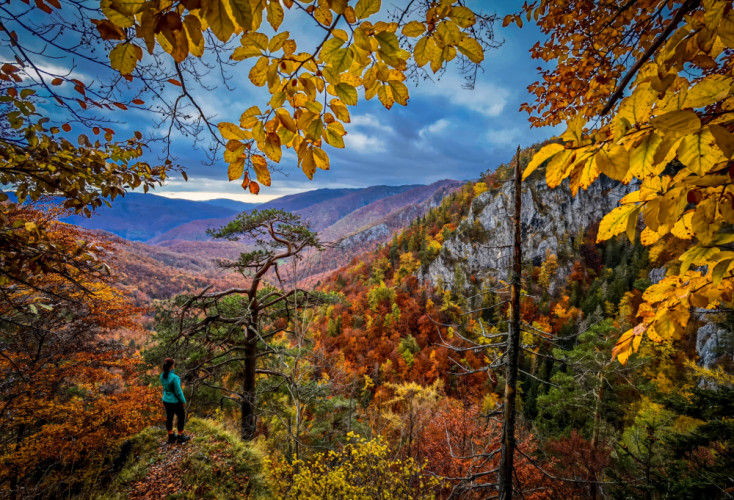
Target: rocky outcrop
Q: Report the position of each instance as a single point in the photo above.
(714, 345)
(551, 218)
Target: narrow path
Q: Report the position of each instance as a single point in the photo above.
(164, 476)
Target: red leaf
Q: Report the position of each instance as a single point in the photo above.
(138, 101)
(254, 187)
(173, 81)
(66, 127)
(57, 81)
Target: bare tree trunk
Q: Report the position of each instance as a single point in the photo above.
(513, 347)
(247, 405)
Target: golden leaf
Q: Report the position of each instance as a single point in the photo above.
(677, 122)
(347, 94)
(471, 49)
(711, 89)
(414, 28)
(124, 57)
(365, 8)
(613, 162)
(218, 20)
(260, 164)
(616, 221)
(541, 156)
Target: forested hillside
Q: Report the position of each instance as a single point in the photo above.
(559, 327)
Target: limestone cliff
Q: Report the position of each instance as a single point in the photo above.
(550, 219)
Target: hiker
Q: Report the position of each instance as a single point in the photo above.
(173, 400)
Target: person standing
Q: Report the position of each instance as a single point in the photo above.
(173, 401)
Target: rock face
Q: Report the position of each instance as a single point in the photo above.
(714, 344)
(551, 218)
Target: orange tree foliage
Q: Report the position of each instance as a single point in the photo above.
(671, 134)
(70, 393)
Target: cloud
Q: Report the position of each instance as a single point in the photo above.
(369, 121)
(371, 139)
(434, 128)
(502, 137)
(363, 143)
(485, 98)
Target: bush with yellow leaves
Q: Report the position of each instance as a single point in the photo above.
(364, 468)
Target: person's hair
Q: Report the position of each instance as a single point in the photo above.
(167, 365)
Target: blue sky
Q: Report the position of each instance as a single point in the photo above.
(444, 132)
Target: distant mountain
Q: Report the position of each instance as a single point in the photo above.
(140, 217)
(321, 207)
(237, 206)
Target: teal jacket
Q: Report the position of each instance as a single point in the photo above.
(172, 392)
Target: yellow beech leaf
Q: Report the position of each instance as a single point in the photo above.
(347, 94)
(711, 89)
(388, 43)
(286, 120)
(277, 42)
(559, 167)
(677, 122)
(333, 138)
(697, 152)
(588, 172)
(241, 53)
(384, 93)
(421, 53)
(329, 47)
(616, 221)
(193, 31)
(218, 20)
(242, 12)
(649, 237)
(340, 110)
(124, 57)
(636, 108)
(642, 162)
(259, 72)
(462, 16)
(471, 49)
(365, 8)
(272, 148)
(231, 131)
(260, 164)
(623, 348)
(249, 117)
(541, 156)
(341, 59)
(275, 18)
(235, 169)
(399, 92)
(614, 162)
(321, 159)
(724, 139)
(308, 165)
(697, 255)
(414, 28)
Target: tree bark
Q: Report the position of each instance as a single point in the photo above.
(513, 347)
(247, 405)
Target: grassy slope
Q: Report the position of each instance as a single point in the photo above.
(214, 464)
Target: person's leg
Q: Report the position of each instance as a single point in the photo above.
(170, 412)
(181, 417)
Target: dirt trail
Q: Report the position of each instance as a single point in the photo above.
(164, 477)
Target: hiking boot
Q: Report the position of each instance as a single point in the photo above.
(182, 439)
(172, 438)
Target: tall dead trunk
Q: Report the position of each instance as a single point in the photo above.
(513, 346)
(247, 404)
